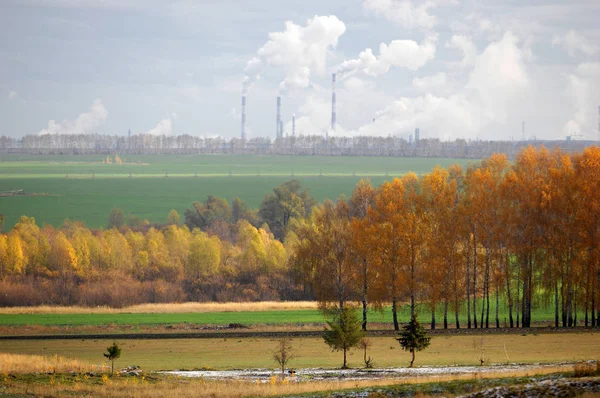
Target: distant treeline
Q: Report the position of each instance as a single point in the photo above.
(73, 144)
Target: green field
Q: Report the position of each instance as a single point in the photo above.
(83, 188)
(273, 317)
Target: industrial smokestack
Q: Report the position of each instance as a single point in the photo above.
(243, 117)
(294, 125)
(333, 101)
(278, 122)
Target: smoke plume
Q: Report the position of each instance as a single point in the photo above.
(298, 50)
(84, 123)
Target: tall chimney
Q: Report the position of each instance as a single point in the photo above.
(278, 122)
(243, 117)
(333, 101)
(294, 125)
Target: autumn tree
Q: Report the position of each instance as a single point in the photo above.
(173, 218)
(241, 211)
(116, 218)
(204, 215)
(441, 272)
(389, 231)
(288, 201)
(324, 244)
(587, 175)
(361, 203)
(204, 256)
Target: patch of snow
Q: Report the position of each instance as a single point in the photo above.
(316, 374)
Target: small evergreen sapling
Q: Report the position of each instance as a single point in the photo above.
(113, 352)
(344, 332)
(413, 337)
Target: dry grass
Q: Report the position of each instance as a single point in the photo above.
(20, 364)
(183, 387)
(166, 308)
(250, 353)
(586, 369)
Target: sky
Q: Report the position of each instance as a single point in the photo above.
(473, 69)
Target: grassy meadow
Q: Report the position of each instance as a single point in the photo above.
(84, 188)
(250, 314)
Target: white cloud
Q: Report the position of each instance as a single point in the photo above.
(106, 4)
(84, 123)
(354, 84)
(12, 94)
(313, 116)
(164, 127)
(193, 93)
(495, 85)
(583, 90)
(430, 83)
(574, 43)
(404, 12)
(399, 53)
(298, 50)
(466, 46)
(499, 78)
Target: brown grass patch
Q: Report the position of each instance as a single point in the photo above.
(166, 308)
(586, 369)
(21, 364)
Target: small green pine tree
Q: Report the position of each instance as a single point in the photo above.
(413, 337)
(113, 352)
(344, 332)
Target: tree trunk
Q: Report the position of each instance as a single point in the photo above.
(433, 317)
(468, 284)
(395, 314)
(593, 308)
(474, 283)
(412, 284)
(446, 314)
(509, 293)
(570, 307)
(456, 307)
(345, 363)
(498, 310)
(563, 305)
(365, 291)
(586, 320)
(556, 304)
(412, 361)
(527, 286)
(486, 291)
(364, 322)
